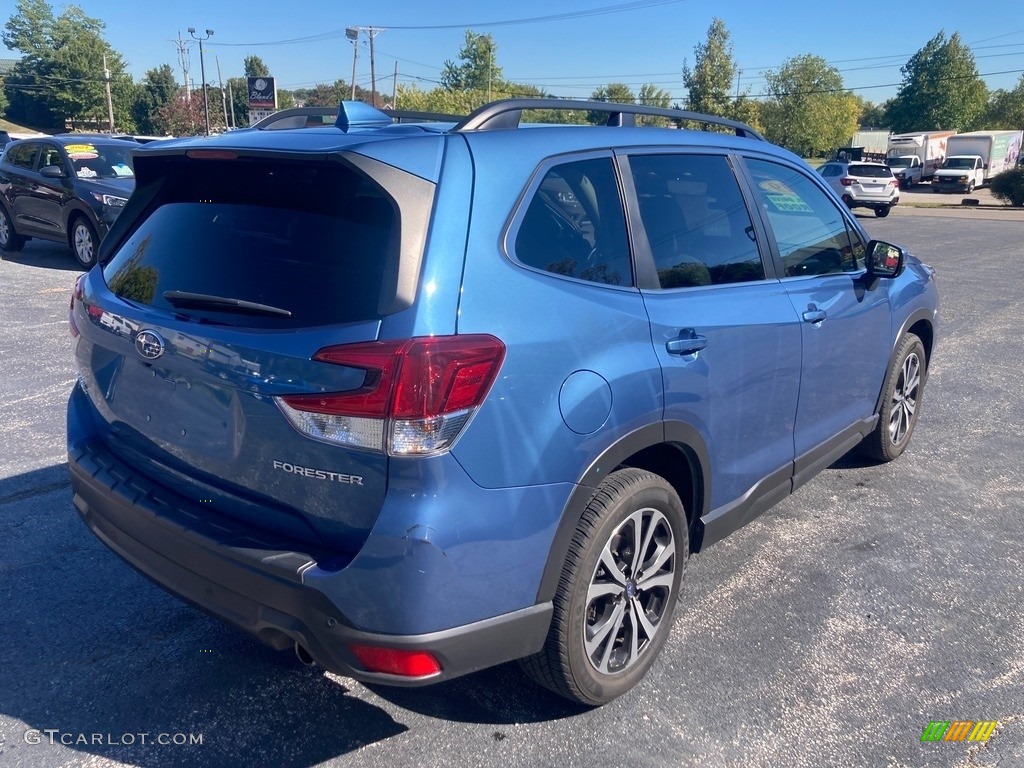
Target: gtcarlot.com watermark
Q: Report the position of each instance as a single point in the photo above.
(68, 739)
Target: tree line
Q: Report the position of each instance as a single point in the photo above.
(59, 83)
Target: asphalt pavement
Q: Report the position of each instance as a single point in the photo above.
(828, 632)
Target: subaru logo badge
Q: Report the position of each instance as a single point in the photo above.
(149, 344)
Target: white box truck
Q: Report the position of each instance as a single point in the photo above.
(973, 158)
(929, 149)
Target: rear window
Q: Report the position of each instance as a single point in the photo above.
(311, 242)
(870, 171)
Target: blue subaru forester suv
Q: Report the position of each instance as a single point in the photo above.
(416, 399)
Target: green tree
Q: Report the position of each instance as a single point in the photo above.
(807, 109)
(941, 89)
(61, 75)
(871, 115)
(709, 84)
(254, 66)
(617, 92)
(157, 88)
(1005, 109)
(477, 68)
(652, 96)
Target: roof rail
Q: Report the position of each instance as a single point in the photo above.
(507, 113)
(305, 117)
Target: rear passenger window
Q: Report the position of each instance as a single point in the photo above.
(697, 226)
(812, 235)
(574, 225)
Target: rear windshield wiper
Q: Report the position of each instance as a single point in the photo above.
(222, 303)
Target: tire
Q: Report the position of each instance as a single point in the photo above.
(83, 241)
(882, 211)
(970, 187)
(9, 239)
(901, 402)
(611, 618)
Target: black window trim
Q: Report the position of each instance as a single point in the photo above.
(642, 257)
(816, 179)
(510, 231)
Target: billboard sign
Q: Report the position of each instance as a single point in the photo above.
(262, 93)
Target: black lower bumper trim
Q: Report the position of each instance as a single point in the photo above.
(260, 590)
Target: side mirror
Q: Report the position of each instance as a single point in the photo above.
(53, 172)
(885, 259)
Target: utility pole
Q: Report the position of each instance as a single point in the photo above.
(394, 88)
(110, 104)
(738, 73)
(231, 98)
(202, 71)
(183, 59)
(352, 33)
(223, 98)
(373, 32)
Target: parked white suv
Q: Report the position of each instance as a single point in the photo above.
(863, 185)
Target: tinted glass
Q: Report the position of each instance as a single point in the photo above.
(870, 171)
(314, 240)
(95, 160)
(811, 233)
(574, 225)
(22, 156)
(697, 226)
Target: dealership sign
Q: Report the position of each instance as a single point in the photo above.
(262, 93)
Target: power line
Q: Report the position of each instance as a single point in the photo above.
(567, 16)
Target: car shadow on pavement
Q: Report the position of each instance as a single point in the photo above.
(104, 663)
(43, 254)
(98, 661)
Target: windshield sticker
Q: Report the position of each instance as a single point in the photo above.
(81, 150)
(788, 203)
(122, 170)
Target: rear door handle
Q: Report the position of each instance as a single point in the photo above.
(688, 343)
(814, 315)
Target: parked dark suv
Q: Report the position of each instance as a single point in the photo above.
(66, 188)
(418, 399)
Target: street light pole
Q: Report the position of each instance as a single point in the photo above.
(202, 72)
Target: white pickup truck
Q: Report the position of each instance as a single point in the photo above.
(908, 170)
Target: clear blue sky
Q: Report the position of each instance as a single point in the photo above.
(303, 41)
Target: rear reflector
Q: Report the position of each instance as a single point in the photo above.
(394, 662)
(76, 294)
(416, 397)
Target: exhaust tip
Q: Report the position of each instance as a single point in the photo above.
(304, 655)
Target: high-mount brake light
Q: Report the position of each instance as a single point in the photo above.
(417, 394)
(211, 154)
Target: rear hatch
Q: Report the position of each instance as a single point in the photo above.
(871, 181)
(234, 270)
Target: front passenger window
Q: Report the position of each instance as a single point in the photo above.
(811, 233)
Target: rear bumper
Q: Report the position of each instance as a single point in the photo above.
(255, 582)
(865, 202)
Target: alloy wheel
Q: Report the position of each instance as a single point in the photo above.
(630, 591)
(904, 399)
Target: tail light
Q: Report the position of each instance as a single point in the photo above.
(417, 394)
(846, 181)
(894, 183)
